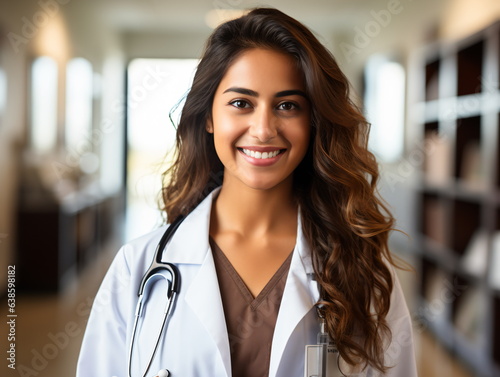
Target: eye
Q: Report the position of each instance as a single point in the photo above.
(287, 106)
(240, 104)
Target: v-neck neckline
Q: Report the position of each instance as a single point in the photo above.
(252, 301)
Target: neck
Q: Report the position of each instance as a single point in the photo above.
(250, 212)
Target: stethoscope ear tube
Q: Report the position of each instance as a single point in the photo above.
(157, 264)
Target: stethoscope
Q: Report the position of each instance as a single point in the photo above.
(153, 274)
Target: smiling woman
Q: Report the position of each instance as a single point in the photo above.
(284, 266)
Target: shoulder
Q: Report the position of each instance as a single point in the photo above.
(399, 318)
(398, 302)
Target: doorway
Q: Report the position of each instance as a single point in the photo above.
(156, 90)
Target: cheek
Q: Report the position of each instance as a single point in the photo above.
(225, 137)
(301, 136)
(227, 129)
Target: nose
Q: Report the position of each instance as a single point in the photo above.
(264, 124)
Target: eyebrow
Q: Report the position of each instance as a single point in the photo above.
(253, 93)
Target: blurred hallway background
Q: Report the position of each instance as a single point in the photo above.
(90, 91)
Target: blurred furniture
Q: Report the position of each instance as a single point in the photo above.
(58, 237)
(458, 114)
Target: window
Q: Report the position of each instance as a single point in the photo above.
(385, 101)
(79, 78)
(155, 87)
(43, 135)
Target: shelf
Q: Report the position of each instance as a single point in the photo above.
(449, 109)
(434, 224)
(469, 105)
(471, 191)
(496, 330)
(439, 254)
(56, 243)
(434, 288)
(470, 69)
(459, 191)
(494, 268)
(430, 111)
(467, 316)
(498, 155)
(440, 233)
(495, 371)
(437, 156)
(472, 356)
(431, 127)
(465, 222)
(448, 260)
(468, 150)
(432, 81)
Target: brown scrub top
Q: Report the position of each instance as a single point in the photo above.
(250, 321)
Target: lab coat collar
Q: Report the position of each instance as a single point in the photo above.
(189, 244)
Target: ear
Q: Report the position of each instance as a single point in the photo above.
(209, 126)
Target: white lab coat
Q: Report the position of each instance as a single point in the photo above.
(196, 341)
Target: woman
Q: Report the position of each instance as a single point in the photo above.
(292, 243)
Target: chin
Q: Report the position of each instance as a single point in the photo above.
(259, 185)
(264, 184)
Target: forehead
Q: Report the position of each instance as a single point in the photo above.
(263, 69)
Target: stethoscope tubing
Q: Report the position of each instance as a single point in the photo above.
(153, 274)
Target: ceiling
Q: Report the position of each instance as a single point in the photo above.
(323, 16)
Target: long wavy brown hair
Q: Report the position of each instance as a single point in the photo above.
(344, 221)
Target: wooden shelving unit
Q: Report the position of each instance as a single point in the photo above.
(458, 115)
(57, 239)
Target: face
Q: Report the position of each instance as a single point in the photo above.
(261, 120)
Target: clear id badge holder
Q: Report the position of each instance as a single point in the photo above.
(322, 359)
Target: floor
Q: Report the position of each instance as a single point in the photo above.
(49, 330)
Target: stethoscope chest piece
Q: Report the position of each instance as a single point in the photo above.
(163, 373)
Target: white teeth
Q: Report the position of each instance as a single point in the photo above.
(259, 155)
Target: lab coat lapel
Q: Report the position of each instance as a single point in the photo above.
(203, 296)
(189, 245)
(299, 297)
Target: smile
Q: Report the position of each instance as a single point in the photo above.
(261, 155)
